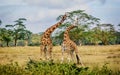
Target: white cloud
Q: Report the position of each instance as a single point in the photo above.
(41, 14)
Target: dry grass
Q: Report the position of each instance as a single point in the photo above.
(91, 55)
(99, 55)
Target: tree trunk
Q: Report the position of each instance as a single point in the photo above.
(7, 43)
(1, 44)
(15, 42)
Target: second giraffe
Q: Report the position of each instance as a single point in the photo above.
(69, 46)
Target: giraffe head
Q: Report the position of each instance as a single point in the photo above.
(65, 16)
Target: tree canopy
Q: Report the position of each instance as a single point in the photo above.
(89, 31)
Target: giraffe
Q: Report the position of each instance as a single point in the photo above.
(69, 46)
(46, 42)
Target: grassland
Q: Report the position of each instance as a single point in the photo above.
(91, 56)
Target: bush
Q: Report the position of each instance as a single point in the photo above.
(11, 69)
(50, 68)
(46, 68)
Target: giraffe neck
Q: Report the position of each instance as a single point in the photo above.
(66, 34)
(49, 31)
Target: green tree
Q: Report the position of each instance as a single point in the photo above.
(106, 34)
(5, 35)
(118, 35)
(80, 18)
(84, 22)
(96, 35)
(17, 28)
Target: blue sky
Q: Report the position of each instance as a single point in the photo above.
(41, 14)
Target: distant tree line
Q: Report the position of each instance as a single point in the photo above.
(89, 32)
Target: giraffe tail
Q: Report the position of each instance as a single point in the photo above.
(78, 59)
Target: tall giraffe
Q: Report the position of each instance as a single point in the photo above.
(46, 42)
(69, 46)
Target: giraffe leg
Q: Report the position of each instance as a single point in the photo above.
(69, 59)
(49, 52)
(78, 57)
(42, 51)
(79, 60)
(63, 50)
(68, 53)
(62, 59)
(68, 56)
(45, 52)
(72, 55)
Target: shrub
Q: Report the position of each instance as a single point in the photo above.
(11, 69)
(46, 68)
(50, 68)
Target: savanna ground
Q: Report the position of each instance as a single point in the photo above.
(91, 56)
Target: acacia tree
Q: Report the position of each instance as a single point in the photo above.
(17, 28)
(84, 22)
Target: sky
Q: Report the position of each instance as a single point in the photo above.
(41, 14)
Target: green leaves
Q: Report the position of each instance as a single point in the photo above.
(89, 31)
(19, 30)
(49, 68)
(83, 18)
(9, 26)
(5, 35)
